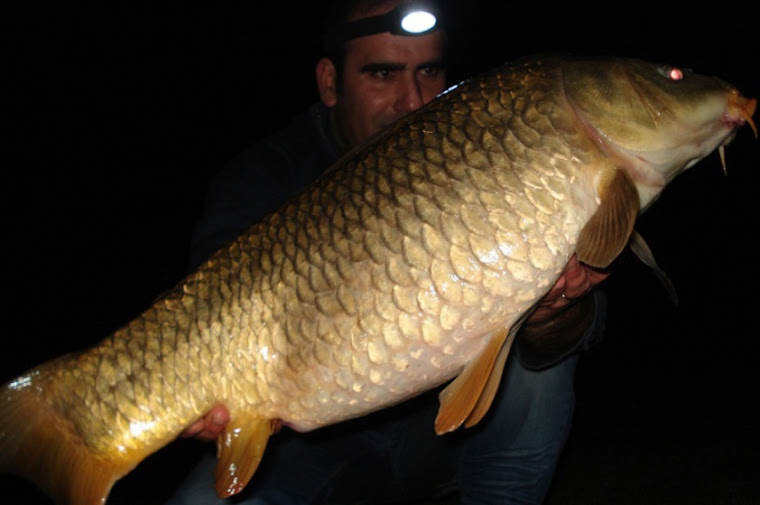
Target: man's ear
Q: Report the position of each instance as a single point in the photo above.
(326, 81)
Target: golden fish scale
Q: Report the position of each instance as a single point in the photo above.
(374, 284)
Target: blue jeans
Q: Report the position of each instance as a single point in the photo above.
(508, 458)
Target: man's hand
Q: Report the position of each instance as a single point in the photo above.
(209, 427)
(557, 326)
(574, 283)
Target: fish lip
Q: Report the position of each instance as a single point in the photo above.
(739, 111)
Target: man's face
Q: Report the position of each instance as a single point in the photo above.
(385, 77)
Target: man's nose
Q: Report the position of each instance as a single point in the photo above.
(409, 96)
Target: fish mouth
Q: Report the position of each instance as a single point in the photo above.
(740, 110)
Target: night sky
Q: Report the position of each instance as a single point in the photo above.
(115, 118)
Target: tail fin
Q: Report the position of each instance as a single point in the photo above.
(38, 443)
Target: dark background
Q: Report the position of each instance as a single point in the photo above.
(114, 119)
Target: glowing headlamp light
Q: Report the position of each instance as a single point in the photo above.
(409, 19)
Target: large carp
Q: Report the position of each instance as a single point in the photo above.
(411, 262)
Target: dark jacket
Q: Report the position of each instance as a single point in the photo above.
(261, 178)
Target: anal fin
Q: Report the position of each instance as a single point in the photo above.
(240, 448)
(606, 234)
(469, 396)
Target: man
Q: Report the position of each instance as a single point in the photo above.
(366, 82)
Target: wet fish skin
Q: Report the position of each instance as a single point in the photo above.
(405, 264)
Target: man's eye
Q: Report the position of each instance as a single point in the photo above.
(382, 73)
(430, 71)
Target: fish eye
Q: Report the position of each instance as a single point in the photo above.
(672, 73)
(675, 74)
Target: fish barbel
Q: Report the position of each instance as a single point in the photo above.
(411, 262)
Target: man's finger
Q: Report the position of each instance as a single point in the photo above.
(210, 426)
(194, 429)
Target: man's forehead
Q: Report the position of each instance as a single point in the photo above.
(376, 9)
(397, 49)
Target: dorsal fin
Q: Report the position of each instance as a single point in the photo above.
(469, 396)
(606, 234)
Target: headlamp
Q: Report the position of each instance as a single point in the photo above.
(409, 19)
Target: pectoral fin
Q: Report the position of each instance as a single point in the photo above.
(469, 396)
(644, 253)
(606, 233)
(240, 449)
